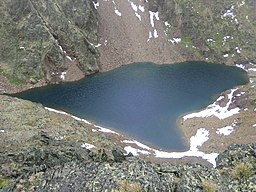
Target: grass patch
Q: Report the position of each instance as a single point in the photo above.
(243, 171)
(4, 182)
(209, 186)
(125, 186)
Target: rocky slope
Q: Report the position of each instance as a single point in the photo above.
(50, 152)
(42, 41)
(48, 42)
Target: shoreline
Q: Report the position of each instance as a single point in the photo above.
(195, 142)
(189, 129)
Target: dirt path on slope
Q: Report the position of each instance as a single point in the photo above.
(124, 38)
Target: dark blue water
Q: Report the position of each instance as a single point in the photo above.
(142, 100)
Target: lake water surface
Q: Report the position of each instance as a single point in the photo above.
(142, 100)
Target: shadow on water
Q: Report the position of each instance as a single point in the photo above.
(142, 100)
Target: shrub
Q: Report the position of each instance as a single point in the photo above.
(243, 171)
(208, 186)
(125, 186)
(4, 182)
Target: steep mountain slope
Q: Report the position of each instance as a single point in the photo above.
(130, 32)
(47, 41)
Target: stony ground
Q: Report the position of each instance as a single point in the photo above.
(124, 39)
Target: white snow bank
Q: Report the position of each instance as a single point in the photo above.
(141, 145)
(100, 128)
(135, 151)
(105, 130)
(196, 141)
(216, 110)
(241, 66)
(252, 69)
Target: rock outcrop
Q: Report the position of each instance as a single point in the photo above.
(47, 41)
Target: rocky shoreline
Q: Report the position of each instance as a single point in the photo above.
(50, 152)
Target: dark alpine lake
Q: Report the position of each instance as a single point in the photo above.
(142, 100)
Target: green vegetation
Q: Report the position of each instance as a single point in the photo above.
(209, 186)
(4, 182)
(243, 171)
(125, 186)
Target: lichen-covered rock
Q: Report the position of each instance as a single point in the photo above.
(42, 39)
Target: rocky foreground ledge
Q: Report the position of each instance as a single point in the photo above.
(44, 151)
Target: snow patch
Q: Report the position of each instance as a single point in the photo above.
(100, 128)
(225, 130)
(105, 130)
(64, 113)
(59, 138)
(220, 98)
(141, 145)
(138, 15)
(241, 66)
(210, 40)
(62, 76)
(242, 3)
(216, 110)
(196, 141)
(175, 40)
(134, 7)
(141, 8)
(252, 69)
(230, 12)
(87, 146)
(151, 16)
(96, 4)
(238, 50)
(117, 12)
(155, 33)
(135, 151)
(149, 36)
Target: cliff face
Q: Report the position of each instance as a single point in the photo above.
(43, 40)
